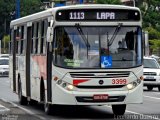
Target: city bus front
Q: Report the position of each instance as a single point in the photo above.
(97, 64)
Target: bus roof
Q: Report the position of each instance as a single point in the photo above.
(52, 11)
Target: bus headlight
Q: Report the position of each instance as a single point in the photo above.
(66, 85)
(130, 86)
(133, 84)
(70, 87)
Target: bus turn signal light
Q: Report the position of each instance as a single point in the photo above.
(141, 78)
(55, 78)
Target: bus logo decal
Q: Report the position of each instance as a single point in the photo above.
(101, 82)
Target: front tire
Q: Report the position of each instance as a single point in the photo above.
(119, 109)
(150, 88)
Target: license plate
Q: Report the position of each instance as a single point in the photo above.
(149, 77)
(100, 97)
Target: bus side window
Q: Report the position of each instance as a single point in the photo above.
(45, 36)
(32, 38)
(11, 41)
(42, 37)
(18, 41)
(36, 39)
(22, 40)
(44, 25)
(39, 37)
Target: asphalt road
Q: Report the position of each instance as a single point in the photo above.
(150, 109)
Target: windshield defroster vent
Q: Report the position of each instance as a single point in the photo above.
(99, 74)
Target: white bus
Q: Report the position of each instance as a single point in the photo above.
(78, 55)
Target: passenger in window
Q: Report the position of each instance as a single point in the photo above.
(68, 50)
(129, 38)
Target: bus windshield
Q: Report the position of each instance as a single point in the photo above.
(97, 47)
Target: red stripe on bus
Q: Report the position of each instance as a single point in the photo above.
(78, 81)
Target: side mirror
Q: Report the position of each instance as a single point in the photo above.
(50, 34)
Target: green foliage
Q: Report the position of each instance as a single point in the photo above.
(153, 33)
(6, 9)
(150, 12)
(108, 1)
(5, 44)
(7, 12)
(154, 45)
(151, 23)
(30, 6)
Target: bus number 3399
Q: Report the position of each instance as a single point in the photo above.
(119, 81)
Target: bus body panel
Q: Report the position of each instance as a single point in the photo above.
(38, 73)
(21, 73)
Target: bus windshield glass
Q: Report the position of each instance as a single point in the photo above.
(97, 47)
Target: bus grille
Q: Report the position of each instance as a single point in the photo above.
(100, 87)
(116, 74)
(110, 99)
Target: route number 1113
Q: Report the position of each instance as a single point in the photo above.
(76, 15)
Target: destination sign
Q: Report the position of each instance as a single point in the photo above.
(97, 15)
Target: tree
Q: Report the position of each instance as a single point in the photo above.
(7, 13)
(155, 46)
(153, 33)
(5, 44)
(6, 8)
(30, 6)
(150, 12)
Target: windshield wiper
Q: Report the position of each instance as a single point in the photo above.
(114, 34)
(83, 36)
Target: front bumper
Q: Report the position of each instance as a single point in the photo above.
(62, 96)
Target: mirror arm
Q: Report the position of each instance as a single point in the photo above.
(50, 47)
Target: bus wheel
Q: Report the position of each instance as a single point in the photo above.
(47, 106)
(150, 88)
(22, 99)
(119, 109)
